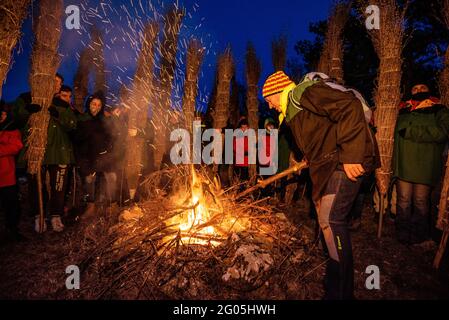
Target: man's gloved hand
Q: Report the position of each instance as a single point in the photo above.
(402, 132)
(53, 112)
(33, 108)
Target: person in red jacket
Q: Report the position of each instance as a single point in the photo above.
(10, 145)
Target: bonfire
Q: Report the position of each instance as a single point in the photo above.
(190, 239)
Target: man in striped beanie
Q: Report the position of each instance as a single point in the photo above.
(329, 127)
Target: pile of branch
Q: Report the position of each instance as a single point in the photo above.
(144, 255)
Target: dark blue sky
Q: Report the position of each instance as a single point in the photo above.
(217, 23)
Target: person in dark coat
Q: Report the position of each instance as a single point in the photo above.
(329, 126)
(94, 150)
(10, 145)
(422, 131)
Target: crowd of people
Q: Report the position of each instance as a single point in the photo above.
(83, 140)
(330, 125)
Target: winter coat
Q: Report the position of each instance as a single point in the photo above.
(94, 143)
(59, 148)
(10, 146)
(419, 142)
(330, 129)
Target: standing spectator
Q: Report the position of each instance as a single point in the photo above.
(58, 154)
(94, 149)
(420, 136)
(10, 145)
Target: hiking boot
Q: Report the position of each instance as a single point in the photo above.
(56, 224)
(37, 227)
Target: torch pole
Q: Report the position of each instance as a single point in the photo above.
(40, 200)
(381, 215)
(262, 184)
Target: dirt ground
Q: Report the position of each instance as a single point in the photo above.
(35, 269)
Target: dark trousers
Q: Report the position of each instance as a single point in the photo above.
(333, 210)
(413, 207)
(365, 189)
(91, 186)
(242, 173)
(9, 199)
(54, 200)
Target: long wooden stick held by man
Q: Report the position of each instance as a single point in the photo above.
(45, 61)
(262, 184)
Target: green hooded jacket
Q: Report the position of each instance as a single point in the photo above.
(59, 149)
(420, 138)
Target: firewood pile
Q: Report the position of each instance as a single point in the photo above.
(254, 251)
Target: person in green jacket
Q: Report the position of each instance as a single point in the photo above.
(58, 155)
(420, 137)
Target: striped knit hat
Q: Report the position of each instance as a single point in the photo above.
(276, 83)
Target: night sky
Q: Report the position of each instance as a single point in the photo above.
(217, 23)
